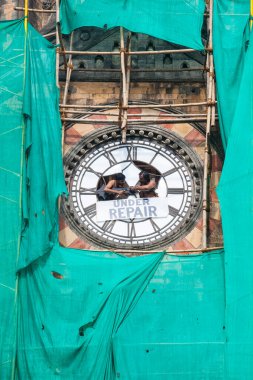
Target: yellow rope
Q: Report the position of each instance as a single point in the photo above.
(251, 13)
(26, 15)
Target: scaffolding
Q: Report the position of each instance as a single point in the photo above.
(122, 107)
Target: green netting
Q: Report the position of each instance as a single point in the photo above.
(233, 64)
(178, 323)
(236, 199)
(177, 21)
(44, 171)
(90, 315)
(94, 315)
(11, 131)
(230, 34)
(26, 63)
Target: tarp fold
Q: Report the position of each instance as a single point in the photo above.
(177, 21)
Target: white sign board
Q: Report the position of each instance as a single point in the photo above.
(137, 208)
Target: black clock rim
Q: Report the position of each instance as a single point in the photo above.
(105, 134)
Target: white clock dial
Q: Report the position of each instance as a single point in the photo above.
(175, 167)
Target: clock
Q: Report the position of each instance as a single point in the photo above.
(170, 161)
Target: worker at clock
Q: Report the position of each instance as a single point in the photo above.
(146, 186)
(114, 186)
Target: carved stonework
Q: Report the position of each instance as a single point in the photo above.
(193, 136)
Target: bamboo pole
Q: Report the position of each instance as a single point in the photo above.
(58, 25)
(57, 42)
(79, 52)
(126, 71)
(45, 10)
(21, 182)
(175, 252)
(49, 35)
(135, 114)
(171, 51)
(66, 88)
(158, 70)
(109, 106)
(209, 122)
(124, 84)
(74, 106)
(155, 52)
(214, 116)
(35, 10)
(69, 71)
(136, 121)
(120, 105)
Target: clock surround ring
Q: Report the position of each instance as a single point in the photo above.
(157, 134)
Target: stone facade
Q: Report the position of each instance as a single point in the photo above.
(96, 93)
(193, 135)
(96, 81)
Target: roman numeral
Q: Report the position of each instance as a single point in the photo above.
(128, 154)
(86, 191)
(131, 230)
(90, 211)
(94, 172)
(175, 190)
(171, 171)
(108, 225)
(173, 211)
(134, 153)
(110, 158)
(131, 153)
(154, 225)
(155, 155)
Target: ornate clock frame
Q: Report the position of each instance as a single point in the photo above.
(159, 138)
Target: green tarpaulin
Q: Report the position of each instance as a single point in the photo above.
(234, 72)
(177, 21)
(29, 97)
(11, 136)
(44, 170)
(95, 315)
(236, 200)
(30, 164)
(230, 36)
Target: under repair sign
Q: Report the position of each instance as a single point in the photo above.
(132, 208)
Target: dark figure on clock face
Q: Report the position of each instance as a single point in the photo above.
(114, 186)
(146, 186)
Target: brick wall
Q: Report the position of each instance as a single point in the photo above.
(99, 93)
(93, 93)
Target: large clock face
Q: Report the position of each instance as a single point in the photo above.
(99, 156)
